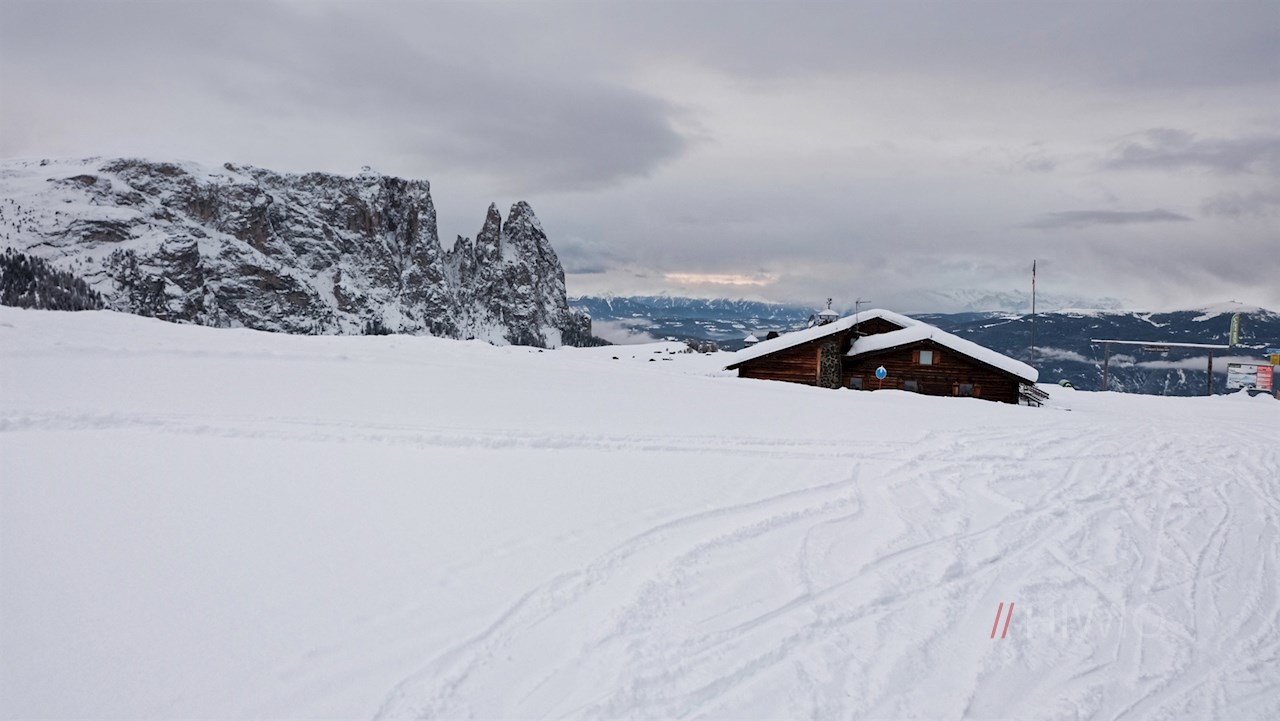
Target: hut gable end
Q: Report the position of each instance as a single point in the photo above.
(874, 326)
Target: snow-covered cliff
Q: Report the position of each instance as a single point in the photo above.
(241, 246)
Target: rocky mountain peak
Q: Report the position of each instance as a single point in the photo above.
(489, 240)
(314, 253)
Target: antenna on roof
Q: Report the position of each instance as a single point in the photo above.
(856, 310)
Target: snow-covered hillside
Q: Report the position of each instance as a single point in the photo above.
(211, 523)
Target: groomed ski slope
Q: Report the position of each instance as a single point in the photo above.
(226, 524)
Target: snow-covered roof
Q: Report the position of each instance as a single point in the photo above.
(751, 338)
(827, 313)
(912, 331)
(794, 338)
(923, 331)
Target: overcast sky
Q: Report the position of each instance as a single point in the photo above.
(778, 150)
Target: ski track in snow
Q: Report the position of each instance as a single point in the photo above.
(328, 431)
(634, 633)
(631, 638)
(1141, 553)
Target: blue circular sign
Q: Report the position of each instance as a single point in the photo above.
(881, 373)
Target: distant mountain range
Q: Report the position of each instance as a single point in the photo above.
(1063, 347)
(985, 301)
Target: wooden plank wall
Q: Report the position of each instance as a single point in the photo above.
(939, 379)
(796, 365)
(799, 364)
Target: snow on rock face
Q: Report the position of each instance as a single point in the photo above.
(511, 276)
(317, 253)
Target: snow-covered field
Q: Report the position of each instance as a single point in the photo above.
(220, 524)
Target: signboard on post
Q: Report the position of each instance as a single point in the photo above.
(1242, 375)
(1250, 376)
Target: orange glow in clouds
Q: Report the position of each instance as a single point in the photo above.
(721, 278)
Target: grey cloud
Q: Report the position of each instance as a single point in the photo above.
(1242, 205)
(1170, 149)
(958, 117)
(1039, 164)
(620, 333)
(582, 256)
(889, 241)
(1029, 158)
(1086, 218)
(1177, 44)
(469, 96)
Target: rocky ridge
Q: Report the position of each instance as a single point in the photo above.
(240, 246)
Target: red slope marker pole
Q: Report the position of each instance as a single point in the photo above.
(996, 625)
(1007, 619)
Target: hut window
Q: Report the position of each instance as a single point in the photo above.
(964, 389)
(926, 357)
(912, 386)
(856, 383)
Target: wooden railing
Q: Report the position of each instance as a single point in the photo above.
(1031, 395)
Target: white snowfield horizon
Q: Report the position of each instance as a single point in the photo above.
(205, 523)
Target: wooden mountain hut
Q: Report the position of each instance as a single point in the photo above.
(916, 356)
